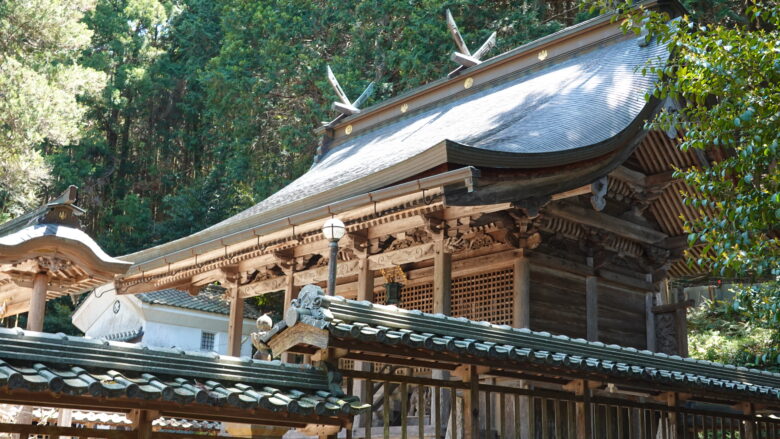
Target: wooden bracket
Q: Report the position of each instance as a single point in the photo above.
(329, 354)
(578, 386)
(300, 334)
(464, 371)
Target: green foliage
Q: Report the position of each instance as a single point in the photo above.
(39, 86)
(745, 331)
(272, 303)
(211, 106)
(58, 312)
(725, 78)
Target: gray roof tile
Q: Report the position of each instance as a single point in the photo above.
(395, 326)
(57, 363)
(551, 115)
(201, 302)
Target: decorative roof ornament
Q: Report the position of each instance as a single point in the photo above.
(345, 106)
(463, 56)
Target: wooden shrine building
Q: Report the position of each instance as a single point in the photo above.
(523, 191)
(517, 198)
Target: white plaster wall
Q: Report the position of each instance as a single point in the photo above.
(164, 326)
(96, 317)
(188, 338)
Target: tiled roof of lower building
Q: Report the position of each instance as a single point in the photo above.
(390, 325)
(67, 365)
(201, 302)
(126, 336)
(43, 415)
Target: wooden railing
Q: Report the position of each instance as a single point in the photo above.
(405, 406)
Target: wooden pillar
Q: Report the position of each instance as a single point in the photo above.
(235, 321)
(442, 278)
(142, 422)
(650, 322)
(34, 323)
(592, 307)
(471, 403)
(681, 329)
(64, 419)
(290, 290)
(365, 292)
(582, 409)
(38, 302)
(365, 281)
(521, 303)
(672, 418)
(442, 286)
(521, 318)
(750, 425)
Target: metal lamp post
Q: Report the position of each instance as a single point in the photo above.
(333, 230)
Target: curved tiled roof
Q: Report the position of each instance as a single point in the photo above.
(61, 364)
(552, 115)
(31, 238)
(579, 105)
(201, 302)
(390, 325)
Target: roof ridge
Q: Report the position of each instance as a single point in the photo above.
(508, 330)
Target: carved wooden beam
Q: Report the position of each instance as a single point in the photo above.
(603, 221)
(262, 287)
(320, 274)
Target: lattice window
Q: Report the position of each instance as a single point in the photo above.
(206, 341)
(419, 297)
(485, 296)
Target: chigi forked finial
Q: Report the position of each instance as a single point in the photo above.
(463, 56)
(347, 107)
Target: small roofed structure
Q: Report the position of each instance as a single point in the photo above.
(571, 387)
(147, 383)
(44, 254)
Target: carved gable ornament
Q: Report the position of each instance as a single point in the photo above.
(309, 308)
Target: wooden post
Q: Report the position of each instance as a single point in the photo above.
(681, 329)
(34, 323)
(442, 284)
(674, 426)
(38, 302)
(471, 403)
(64, 419)
(290, 290)
(592, 307)
(365, 292)
(582, 409)
(442, 278)
(521, 303)
(235, 321)
(142, 422)
(750, 426)
(650, 322)
(365, 281)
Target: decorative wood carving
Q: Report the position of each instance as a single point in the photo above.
(262, 287)
(480, 241)
(343, 269)
(406, 240)
(665, 333)
(403, 256)
(52, 264)
(598, 190)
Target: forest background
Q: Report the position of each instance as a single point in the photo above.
(171, 115)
